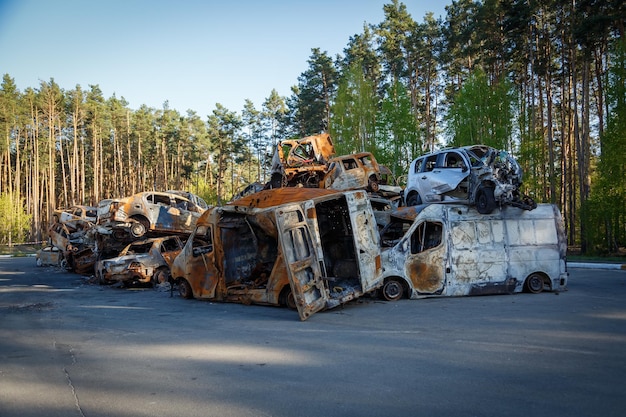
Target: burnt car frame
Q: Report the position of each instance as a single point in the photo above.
(143, 261)
(77, 246)
(353, 171)
(49, 256)
(477, 175)
(76, 217)
(311, 249)
(150, 211)
(301, 162)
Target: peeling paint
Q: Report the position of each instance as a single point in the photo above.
(307, 248)
(150, 211)
(478, 175)
(142, 261)
(450, 250)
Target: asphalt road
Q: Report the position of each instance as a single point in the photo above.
(71, 348)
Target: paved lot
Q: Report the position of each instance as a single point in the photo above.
(69, 348)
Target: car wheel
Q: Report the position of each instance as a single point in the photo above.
(161, 276)
(184, 289)
(485, 200)
(287, 299)
(137, 229)
(413, 199)
(534, 283)
(373, 185)
(393, 289)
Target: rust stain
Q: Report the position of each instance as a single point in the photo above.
(279, 196)
(426, 277)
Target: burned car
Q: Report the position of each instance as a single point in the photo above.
(255, 187)
(49, 256)
(77, 246)
(156, 212)
(301, 162)
(144, 261)
(76, 217)
(354, 171)
(477, 175)
(309, 249)
(197, 203)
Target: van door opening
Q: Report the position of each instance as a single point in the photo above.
(341, 268)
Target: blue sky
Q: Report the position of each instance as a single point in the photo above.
(193, 54)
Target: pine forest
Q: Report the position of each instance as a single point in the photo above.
(542, 79)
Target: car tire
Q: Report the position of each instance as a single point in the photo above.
(161, 276)
(534, 283)
(137, 229)
(287, 299)
(485, 200)
(184, 289)
(373, 185)
(393, 289)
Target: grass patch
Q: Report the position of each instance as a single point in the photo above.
(574, 255)
(19, 250)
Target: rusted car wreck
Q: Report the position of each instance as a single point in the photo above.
(150, 211)
(311, 249)
(301, 162)
(85, 234)
(144, 261)
(76, 246)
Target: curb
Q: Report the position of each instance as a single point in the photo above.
(591, 265)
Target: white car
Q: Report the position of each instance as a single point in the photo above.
(477, 175)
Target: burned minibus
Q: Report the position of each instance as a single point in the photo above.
(452, 250)
(309, 249)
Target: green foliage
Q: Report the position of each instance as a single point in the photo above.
(310, 107)
(353, 114)
(14, 222)
(397, 87)
(481, 113)
(397, 136)
(604, 212)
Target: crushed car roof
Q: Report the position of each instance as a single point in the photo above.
(279, 196)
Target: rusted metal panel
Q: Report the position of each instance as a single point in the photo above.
(280, 196)
(306, 248)
(303, 271)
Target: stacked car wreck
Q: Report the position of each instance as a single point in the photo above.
(327, 229)
(305, 248)
(131, 240)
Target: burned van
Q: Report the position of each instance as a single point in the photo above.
(452, 250)
(309, 249)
